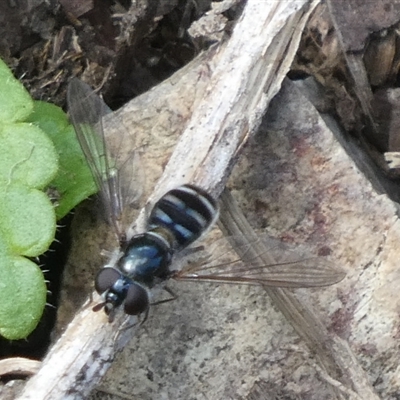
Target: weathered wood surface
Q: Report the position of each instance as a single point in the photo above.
(296, 181)
(239, 79)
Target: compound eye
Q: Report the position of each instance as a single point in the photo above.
(105, 279)
(137, 300)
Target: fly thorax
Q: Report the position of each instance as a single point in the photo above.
(146, 257)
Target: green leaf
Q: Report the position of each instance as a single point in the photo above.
(15, 102)
(50, 118)
(34, 137)
(22, 296)
(27, 155)
(74, 182)
(27, 223)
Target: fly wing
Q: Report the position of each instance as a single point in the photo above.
(294, 269)
(113, 172)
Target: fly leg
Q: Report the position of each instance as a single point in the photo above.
(172, 298)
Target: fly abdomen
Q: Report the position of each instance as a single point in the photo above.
(186, 212)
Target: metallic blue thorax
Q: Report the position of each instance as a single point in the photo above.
(146, 257)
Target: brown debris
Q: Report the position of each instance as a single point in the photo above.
(77, 7)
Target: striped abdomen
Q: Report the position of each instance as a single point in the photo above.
(186, 212)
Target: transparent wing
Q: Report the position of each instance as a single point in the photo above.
(114, 168)
(293, 268)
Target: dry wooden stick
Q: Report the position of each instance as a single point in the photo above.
(248, 73)
(18, 366)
